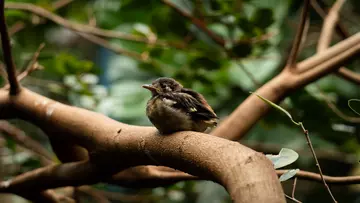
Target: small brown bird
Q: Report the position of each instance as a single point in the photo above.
(173, 108)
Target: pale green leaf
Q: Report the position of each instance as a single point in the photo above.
(284, 158)
(353, 100)
(278, 108)
(289, 174)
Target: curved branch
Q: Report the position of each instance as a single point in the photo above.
(6, 49)
(248, 177)
(252, 109)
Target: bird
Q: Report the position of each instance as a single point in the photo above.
(173, 108)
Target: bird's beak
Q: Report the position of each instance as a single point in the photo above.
(150, 87)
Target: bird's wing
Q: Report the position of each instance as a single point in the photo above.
(192, 103)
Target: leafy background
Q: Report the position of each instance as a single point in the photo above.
(80, 73)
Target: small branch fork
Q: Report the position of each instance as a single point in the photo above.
(331, 23)
(289, 79)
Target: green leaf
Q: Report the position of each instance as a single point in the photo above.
(289, 174)
(353, 100)
(278, 108)
(285, 157)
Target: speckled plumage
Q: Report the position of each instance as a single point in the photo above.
(173, 108)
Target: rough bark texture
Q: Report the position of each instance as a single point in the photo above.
(113, 146)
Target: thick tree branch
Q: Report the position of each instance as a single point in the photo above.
(6, 49)
(309, 70)
(245, 175)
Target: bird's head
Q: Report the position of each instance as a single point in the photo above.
(163, 85)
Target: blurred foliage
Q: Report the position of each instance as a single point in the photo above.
(80, 73)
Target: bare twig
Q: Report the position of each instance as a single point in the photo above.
(292, 199)
(200, 24)
(250, 75)
(6, 48)
(294, 188)
(298, 37)
(78, 27)
(33, 65)
(60, 3)
(334, 180)
(337, 111)
(349, 75)
(215, 37)
(20, 137)
(114, 48)
(306, 133)
(18, 26)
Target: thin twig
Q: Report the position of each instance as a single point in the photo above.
(334, 180)
(20, 25)
(250, 75)
(215, 37)
(292, 199)
(306, 133)
(6, 48)
(298, 37)
(305, 33)
(337, 111)
(294, 188)
(118, 50)
(33, 65)
(60, 4)
(21, 138)
(200, 24)
(78, 27)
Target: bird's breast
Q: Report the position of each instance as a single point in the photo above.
(166, 118)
